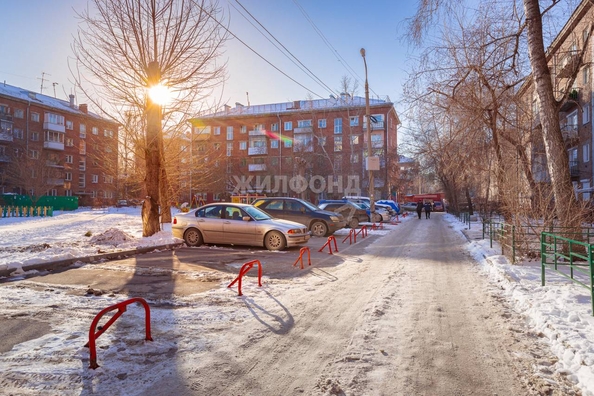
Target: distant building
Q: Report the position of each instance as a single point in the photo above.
(53, 147)
(309, 148)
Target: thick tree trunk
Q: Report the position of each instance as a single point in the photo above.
(557, 158)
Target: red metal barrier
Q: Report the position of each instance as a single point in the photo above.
(362, 231)
(350, 236)
(330, 239)
(395, 220)
(244, 269)
(300, 258)
(121, 307)
(377, 227)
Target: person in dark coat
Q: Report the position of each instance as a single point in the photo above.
(427, 210)
(419, 208)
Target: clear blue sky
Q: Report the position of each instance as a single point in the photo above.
(36, 37)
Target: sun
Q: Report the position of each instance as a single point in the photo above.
(160, 94)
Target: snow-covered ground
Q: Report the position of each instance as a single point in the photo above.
(560, 311)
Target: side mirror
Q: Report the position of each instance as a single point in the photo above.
(246, 218)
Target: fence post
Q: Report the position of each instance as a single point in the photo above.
(513, 244)
(542, 257)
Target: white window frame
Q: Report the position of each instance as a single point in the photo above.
(338, 125)
(322, 123)
(288, 126)
(274, 143)
(586, 152)
(243, 145)
(216, 130)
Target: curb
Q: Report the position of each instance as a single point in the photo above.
(52, 265)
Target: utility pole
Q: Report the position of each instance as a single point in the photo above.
(368, 134)
(43, 74)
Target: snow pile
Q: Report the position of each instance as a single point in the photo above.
(113, 237)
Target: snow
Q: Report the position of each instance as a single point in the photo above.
(561, 311)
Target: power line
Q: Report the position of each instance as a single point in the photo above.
(342, 61)
(256, 52)
(311, 74)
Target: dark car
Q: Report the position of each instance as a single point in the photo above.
(319, 222)
(352, 213)
(438, 206)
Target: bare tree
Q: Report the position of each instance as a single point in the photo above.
(125, 47)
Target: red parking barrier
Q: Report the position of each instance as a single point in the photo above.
(380, 226)
(121, 307)
(244, 269)
(301, 251)
(362, 231)
(395, 220)
(350, 236)
(330, 239)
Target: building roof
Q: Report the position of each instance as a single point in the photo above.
(24, 95)
(332, 103)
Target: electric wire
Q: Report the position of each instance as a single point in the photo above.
(311, 74)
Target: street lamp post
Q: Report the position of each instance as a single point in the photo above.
(368, 115)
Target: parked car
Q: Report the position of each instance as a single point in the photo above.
(319, 222)
(410, 206)
(382, 212)
(121, 203)
(394, 205)
(438, 206)
(353, 213)
(237, 224)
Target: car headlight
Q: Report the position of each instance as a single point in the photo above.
(294, 231)
(334, 218)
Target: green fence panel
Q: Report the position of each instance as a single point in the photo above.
(56, 203)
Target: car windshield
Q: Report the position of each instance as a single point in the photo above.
(256, 213)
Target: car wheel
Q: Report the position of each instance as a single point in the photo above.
(377, 218)
(193, 237)
(275, 240)
(354, 223)
(319, 229)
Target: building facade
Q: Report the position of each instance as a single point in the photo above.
(53, 147)
(312, 149)
(570, 60)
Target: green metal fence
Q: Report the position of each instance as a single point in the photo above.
(57, 203)
(568, 258)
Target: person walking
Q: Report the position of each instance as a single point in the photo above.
(419, 208)
(427, 210)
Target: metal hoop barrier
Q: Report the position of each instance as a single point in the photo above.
(330, 239)
(395, 220)
(121, 307)
(350, 236)
(377, 227)
(300, 258)
(362, 231)
(244, 269)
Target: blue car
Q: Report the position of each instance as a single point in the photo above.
(392, 204)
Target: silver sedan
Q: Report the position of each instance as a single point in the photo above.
(237, 224)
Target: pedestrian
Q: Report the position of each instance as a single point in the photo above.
(419, 208)
(427, 210)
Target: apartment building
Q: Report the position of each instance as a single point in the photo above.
(310, 148)
(570, 58)
(50, 146)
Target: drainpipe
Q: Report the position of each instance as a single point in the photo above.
(280, 145)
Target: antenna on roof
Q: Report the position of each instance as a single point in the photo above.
(54, 84)
(248, 98)
(43, 74)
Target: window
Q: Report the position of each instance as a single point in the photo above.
(69, 125)
(18, 133)
(107, 133)
(19, 113)
(216, 130)
(217, 146)
(229, 133)
(288, 143)
(229, 149)
(243, 145)
(34, 173)
(586, 75)
(377, 141)
(288, 126)
(82, 164)
(354, 120)
(107, 149)
(303, 123)
(303, 142)
(83, 131)
(274, 127)
(35, 136)
(69, 159)
(243, 162)
(274, 162)
(355, 158)
(243, 129)
(67, 193)
(338, 163)
(69, 142)
(338, 125)
(81, 180)
(82, 147)
(586, 152)
(587, 113)
(322, 123)
(95, 131)
(274, 143)
(54, 118)
(337, 143)
(68, 176)
(35, 117)
(33, 154)
(354, 139)
(94, 179)
(322, 141)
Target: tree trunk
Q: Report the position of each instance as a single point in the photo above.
(557, 158)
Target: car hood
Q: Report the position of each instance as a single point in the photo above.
(287, 223)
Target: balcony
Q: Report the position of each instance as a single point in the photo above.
(574, 170)
(6, 137)
(5, 116)
(256, 167)
(55, 182)
(303, 130)
(257, 132)
(201, 136)
(570, 133)
(4, 158)
(257, 150)
(53, 146)
(50, 126)
(568, 65)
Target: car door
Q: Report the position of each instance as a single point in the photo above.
(273, 207)
(296, 211)
(210, 223)
(237, 231)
